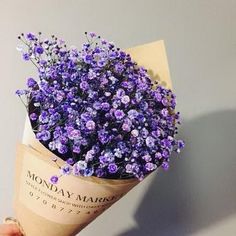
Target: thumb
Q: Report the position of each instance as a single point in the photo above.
(9, 229)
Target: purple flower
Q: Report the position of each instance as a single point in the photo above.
(33, 116)
(97, 105)
(105, 106)
(164, 112)
(166, 143)
(31, 82)
(52, 146)
(103, 159)
(143, 105)
(44, 135)
(181, 144)
(88, 172)
(75, 170)
(70, 161)
(104, 41)
(84, 141)
(141, 118)
(125, 99)
(158, 96)
(107, 94)
(158, 156)
(156, 133)
(112, 168)
(84, 85)
(73, 133)
(132, 114)
(102, 63)
(135, 132)
(89, 155)
(88, 59)
(85, 116)
(66, 170)
(144, 132)
(97, 110)
(54, 179)
(92, 34)
(165, 165)
(147, 158)
(150, 166)
(60, 95)
(38, 49)
(99, 172)
(30, 36)
(150, 141)
(165, 153)
(26, 56)
(103, 136)
(62, 149)
(119, 68)
(63, 139)
(165, 101)
(92, 74)
(81, 165)
(76, 148)
(90, 125)
(118, 153)
(129, 168)
(126, 127)
(119, 114)
(44, 118)
(116, 103)
(120, 93)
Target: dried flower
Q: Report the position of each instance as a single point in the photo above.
(97, 110)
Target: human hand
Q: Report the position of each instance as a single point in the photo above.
(9, 230)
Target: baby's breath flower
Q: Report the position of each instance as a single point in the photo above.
(96, 109)
(54, 179)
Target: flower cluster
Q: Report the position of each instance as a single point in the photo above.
(97, 109)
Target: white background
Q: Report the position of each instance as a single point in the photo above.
(197, 196)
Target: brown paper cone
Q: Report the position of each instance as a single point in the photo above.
(44, 209)
(64, 208)
(152, 56)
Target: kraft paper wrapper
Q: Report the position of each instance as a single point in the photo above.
(66, 208)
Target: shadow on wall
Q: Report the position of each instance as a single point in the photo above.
(199, 189)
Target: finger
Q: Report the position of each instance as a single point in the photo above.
(9, 229)
(11, 234)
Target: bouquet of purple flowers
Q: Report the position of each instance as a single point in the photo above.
(97, 113)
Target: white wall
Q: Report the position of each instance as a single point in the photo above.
(197, 196)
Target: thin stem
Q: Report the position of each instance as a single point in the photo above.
(34, 63)
(26, 106)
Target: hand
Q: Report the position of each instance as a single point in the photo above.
(9, 230)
